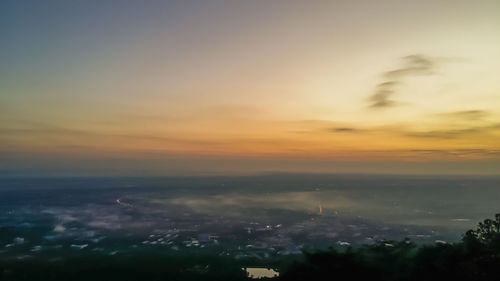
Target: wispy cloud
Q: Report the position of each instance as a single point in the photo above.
(413, 65)
(472, 115)
(456, 133)
(344, 130)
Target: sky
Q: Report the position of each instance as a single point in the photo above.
(242, 87)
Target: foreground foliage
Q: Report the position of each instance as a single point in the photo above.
(475, 257)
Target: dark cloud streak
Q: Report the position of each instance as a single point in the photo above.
(413, 65)
(344, 130)
(453, 134)
(465, 114)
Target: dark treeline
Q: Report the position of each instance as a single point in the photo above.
(475, 257)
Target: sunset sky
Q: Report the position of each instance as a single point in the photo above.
(238, 87)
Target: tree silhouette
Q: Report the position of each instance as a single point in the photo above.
(485, 236)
